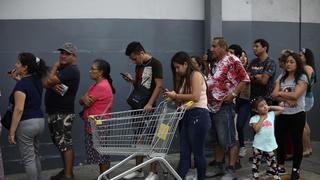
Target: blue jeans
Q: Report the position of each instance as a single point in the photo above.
(243, 108)
(195, 125)
(225, 126)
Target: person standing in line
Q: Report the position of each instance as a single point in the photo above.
(242, 103)
(97, 100)
(148, 74)
(227, 80)
(307, 58)
(62, 85)
(290, 88)
(261, 71)
(190, 85)
(27, 117)
(282, 63)
(199, 64)
(264, 142)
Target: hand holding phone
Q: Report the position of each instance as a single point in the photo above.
(12, 71)
(126, 77)
(164, 89)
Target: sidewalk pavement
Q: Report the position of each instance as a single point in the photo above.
(310, 168)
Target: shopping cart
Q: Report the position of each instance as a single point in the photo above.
(137, 133)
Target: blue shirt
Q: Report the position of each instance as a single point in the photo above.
(54, 102)
(265, 139)
(31, 86)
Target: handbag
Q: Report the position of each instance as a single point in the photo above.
(6, 119)
(139, 97)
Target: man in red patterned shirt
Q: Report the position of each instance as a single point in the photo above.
(226, 81)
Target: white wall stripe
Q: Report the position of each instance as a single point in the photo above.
(109, 9)
(271, 10)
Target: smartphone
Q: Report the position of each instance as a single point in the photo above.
(164, 89)
(12, 71)
(125, 76)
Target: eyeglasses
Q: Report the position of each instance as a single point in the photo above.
(93, 69)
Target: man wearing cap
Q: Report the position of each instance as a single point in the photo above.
(62, 84)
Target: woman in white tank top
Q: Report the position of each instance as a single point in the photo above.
(190, 85)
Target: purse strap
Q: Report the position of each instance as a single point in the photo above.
(145, 81)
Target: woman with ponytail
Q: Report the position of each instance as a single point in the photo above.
(97, 100)
(27, 117)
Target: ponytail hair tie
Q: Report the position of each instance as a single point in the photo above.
(37, 60)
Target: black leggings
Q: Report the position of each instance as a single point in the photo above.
(295, 124)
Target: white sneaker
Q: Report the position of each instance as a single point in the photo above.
(135, 174)
(242, 151)
(192, 174)
(152, 176)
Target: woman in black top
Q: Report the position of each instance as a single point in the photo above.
(27, 118)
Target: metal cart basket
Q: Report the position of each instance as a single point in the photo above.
(137, 133)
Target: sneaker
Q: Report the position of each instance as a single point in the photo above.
(134, 174)
(216, 171)
(230, 174)
(281, 170)
(295, 174)
(192, 174)
(152, 176)
(58, 176)
(273, 174)
(242, 151)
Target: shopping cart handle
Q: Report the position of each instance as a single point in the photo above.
(93, 118)
(187, 105)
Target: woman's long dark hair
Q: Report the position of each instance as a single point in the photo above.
(35, 65)
(104, 66)
(299, 71)
(182, 58)
(308, 54)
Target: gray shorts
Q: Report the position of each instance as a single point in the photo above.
(60, 126)
(224, 126)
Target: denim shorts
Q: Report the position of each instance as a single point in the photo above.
(225, 126)
(60, 126)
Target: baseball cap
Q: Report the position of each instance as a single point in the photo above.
(69, 47)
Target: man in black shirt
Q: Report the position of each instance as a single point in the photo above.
(62, 85)
(262, 71)
(148, 74)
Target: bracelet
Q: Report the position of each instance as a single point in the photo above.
(234, 94)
